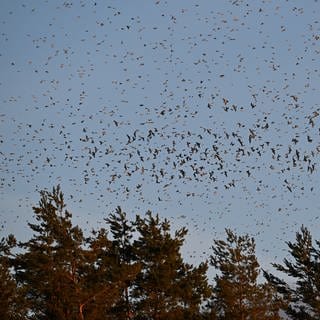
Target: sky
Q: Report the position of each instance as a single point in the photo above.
(206, 112)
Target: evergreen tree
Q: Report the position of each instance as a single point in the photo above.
(122, 251)
(106, 279)
(166, 287)
(60, 270)
(12, 304)
(237, 295)
(303, 296)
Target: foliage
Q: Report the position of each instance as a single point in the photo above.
(134, 269)
(304, 296)
(237, 294)
(63, 274)
(166, 287)
(12, 303)
(126, 268)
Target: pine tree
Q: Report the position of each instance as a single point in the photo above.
(105, 279)
(12, 304)
(166, 287)
(303, 296)
(237, 295)
(62, 273)
(121, 250)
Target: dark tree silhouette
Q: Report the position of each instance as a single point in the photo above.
(166, 287)
(127, 267)
(237, 295)
(12, 302)
(303, 297)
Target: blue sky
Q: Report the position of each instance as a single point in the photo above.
(205, 112)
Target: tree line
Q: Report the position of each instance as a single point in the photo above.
(134, 269)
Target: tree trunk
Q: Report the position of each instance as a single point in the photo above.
(81, 317)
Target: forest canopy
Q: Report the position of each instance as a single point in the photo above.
(134, 269)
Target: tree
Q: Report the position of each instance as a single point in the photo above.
(303, 296)
(106, 280)
(236, 294)
(166, 287)
(12, 304)
(122, 251)
(64, 275)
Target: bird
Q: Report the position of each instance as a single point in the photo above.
(112, 109)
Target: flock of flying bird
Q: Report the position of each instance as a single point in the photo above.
(177, 108)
